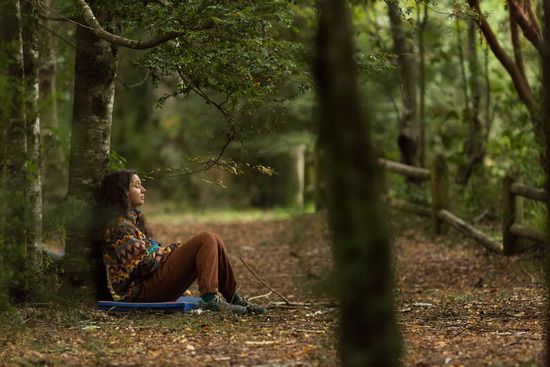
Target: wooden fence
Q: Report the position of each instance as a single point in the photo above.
(438, 210)
(512, 213)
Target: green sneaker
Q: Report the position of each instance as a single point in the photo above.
(239, 300)
(219, 304)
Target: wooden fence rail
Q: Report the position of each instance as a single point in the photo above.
(512, 213)
(512, 208)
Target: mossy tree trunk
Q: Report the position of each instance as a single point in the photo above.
(13, 118)
(361, 240)
(34, 179)
(546, 129)
(95, 70)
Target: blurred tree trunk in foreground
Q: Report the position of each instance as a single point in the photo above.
(95, 70)
(361, 240)
(14, 121)
(409, 127)
(546, 129)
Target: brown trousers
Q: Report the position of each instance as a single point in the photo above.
(204, 258)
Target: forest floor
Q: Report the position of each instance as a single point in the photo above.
(457, 304)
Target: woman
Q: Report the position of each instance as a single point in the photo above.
(140, 270)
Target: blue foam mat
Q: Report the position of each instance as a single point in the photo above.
(184, 304)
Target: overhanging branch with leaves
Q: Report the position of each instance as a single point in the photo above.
(95, 27)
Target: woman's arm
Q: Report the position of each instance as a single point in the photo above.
(133, 251)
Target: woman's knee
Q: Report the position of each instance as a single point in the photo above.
(207, 238)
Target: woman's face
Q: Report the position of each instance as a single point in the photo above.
(136, 192)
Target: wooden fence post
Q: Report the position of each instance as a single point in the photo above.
(509, 213)
(440, 191)
(382, 177)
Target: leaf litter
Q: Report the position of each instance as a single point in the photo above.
(456, 304)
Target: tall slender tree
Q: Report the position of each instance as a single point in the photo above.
(409, 128)
(33, 177)
(422, 23)
(474, 145)
(361, 240)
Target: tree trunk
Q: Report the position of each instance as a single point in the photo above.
(13, 100)
(521, 84)
(474, 147)
(361, 240)
(3, 128)
(34, 188)
(16, 146)
(409, 128)
(95, 70)
(546, 129)
(422, 83)
(53, 169)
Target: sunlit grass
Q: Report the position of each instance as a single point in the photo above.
(222, 215)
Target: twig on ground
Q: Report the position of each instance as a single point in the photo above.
(329, 304)
(262, 281)
(261, 296)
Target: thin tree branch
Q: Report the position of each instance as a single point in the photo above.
(263, 282)
(55, 19)
(135, 85)
(56, 35)
(463, 69)
(140, 83)
(533, 17)
(95, 27)
(516, 44)
(520, 83)
(529, 31)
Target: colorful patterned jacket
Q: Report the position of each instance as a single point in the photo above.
(130, 256)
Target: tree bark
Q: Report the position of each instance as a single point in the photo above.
(521, 84)
(54, 173)
(34, 181)
(409, 128)
(16, 146)
(546, 129)
(361, 241)
(95, 27)
(95, 70)
(422, 83)
(474, 147)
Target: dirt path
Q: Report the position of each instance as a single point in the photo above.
(457, 305)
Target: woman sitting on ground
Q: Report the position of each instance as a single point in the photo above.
(141, 270)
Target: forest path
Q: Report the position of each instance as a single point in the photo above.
(457, 304)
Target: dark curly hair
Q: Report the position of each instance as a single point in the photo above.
(113, 194)
(113, 198)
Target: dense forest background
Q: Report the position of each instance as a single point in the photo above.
(174, 133)
(223, 106)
